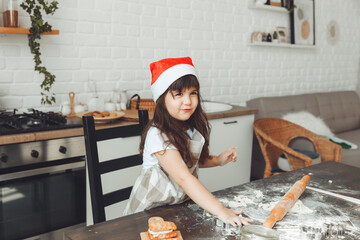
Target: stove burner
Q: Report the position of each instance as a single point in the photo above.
(34, 123)
(34, 120)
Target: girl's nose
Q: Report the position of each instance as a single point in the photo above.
(187, 100)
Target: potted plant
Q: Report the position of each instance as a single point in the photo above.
(38, 26)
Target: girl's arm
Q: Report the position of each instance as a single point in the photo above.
(172, 162)
(229, 155)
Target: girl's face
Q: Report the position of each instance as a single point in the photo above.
(181, 105)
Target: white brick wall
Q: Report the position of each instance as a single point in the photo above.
(112, 42)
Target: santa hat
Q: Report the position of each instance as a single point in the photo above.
(167, 71)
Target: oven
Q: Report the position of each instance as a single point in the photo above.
(42, 183)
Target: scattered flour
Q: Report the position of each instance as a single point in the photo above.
(257, 206)
(298, 207)
(243, 201)
(258, 194)
(224, 201)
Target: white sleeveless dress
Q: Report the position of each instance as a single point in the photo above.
(154, 187)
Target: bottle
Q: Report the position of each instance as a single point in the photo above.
(269, 38)
(124, 99)
(264, 37)
(10, 14)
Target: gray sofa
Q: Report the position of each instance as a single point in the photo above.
(340, 111)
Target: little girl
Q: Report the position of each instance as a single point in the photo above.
(176, 143)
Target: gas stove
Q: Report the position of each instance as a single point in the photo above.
(34, 172)
(35, 155)
(33, 121)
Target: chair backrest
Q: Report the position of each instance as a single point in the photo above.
(274, 136)
(282, 131)
(100, 164)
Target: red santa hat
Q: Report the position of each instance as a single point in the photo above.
(167, 71)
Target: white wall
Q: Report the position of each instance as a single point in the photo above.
(114, 41)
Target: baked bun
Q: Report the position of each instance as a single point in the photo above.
(155, 219)
(99, 114)
(161, 230)
(105, 113)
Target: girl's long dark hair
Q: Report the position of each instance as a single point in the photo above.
(174, 129)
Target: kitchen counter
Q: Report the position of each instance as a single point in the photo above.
(193, 223)
(64, 133)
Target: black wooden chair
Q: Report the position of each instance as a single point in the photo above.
(101, 162)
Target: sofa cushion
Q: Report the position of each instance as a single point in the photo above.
(278, 106)
(310, 122)
(284, 165)
(351, 156)
(340, 110)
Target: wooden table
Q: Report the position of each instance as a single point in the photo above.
(194, 223)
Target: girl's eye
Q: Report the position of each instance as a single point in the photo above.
(194, 93)
(178, 94)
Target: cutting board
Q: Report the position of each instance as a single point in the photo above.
(145, 236)
(132, 115)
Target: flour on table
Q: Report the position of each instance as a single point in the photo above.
(224, 201)
(239, 201)
(298, 207)
(257, 207)
(258, 194)
(242, 201)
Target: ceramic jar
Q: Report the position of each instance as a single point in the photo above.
(79, 108)
(110, 106)
(65, 108)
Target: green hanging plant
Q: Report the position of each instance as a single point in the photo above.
(39, 26)
(289, 5)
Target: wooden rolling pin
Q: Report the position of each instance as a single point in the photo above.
(287, 202)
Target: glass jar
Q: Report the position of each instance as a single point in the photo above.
(256, 232)
(10, 14)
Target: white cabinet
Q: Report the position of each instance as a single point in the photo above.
(225, 132)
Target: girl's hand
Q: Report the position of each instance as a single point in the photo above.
(228, 156)
(234, 217)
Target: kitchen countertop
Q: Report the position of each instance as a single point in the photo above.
(72, 132)
(193, 223)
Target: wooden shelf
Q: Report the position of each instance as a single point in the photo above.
(254, 5)
(24, 31)
(286, 45)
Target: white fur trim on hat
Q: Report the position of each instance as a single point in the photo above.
(169, 76)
